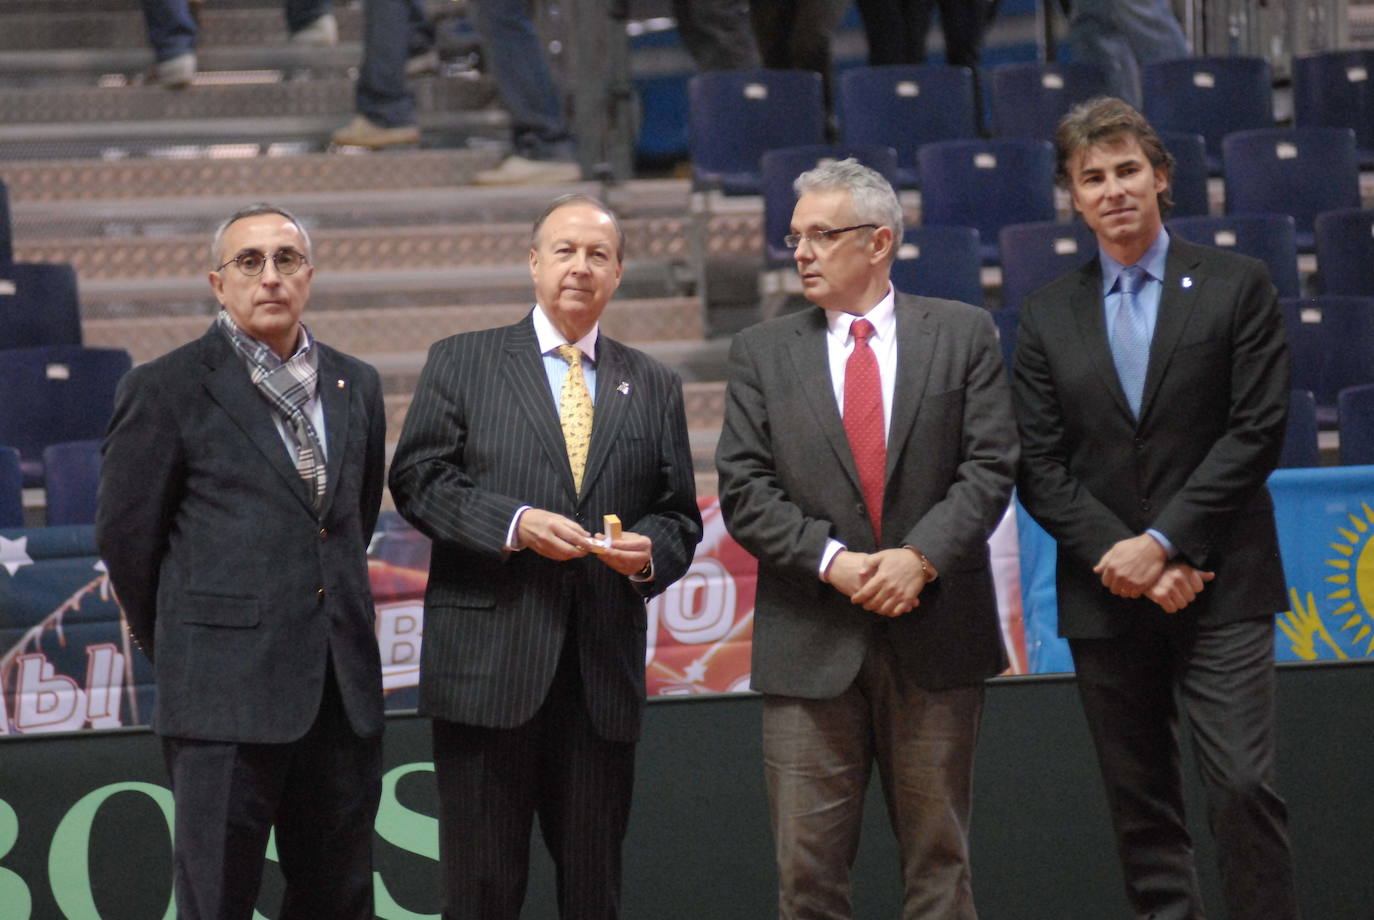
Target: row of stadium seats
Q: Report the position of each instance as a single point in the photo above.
(736, 116)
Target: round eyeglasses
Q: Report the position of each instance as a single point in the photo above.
(251, 263)
(793, 240)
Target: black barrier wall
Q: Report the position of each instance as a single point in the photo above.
(84, 817)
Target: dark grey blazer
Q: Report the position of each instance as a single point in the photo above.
(788, 484)
(1194, 466)
(231, 582)
(481, 439)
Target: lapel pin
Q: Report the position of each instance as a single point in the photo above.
(1187, 281)
(624, 388)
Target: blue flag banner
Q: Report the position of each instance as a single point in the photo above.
(1326, 535)
(1325, 518)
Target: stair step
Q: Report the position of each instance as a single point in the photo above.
(391, 248)
(97, 30)
(404, 334)
(266, 96)
(41, 190)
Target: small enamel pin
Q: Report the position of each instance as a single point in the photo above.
(1187, 281)
(624, 388)
(341, 384)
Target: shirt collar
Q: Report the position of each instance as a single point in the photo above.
(550, 338)
(883, 316)
(1152, 261)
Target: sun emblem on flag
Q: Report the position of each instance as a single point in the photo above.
(1349, 597)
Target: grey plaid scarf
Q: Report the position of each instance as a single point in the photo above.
(287, 386)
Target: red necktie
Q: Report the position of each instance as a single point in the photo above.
(863, 422)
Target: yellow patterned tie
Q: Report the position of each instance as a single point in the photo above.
(575, 413)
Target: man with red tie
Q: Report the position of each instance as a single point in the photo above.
(868, 450)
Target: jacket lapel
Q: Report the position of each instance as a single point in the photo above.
(612, 406)
(915, 355)
(1176, 303)
(1090, 318)
(229, 385)
(336, 394)
(528, 385)
(811, 363)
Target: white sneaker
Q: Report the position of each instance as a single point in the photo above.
(176, 72)
(425, 62)
(363, 132)
(322, 32)
(518, 170)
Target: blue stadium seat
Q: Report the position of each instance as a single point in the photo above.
(903, 106)
(38, 305)
(1029, 97)
(1267, 237)
(11, 489)
(1297, 171)
(1345, 251)
(71, 477)
(987, 184)
(737, 115)
(54, 394)
(779, 168)
(1188, 184)
(940, 262)
(1334, 90)
(1331, 340)
(1035, 254)
(1300, 438)
(1211, 96)
(1356, 411)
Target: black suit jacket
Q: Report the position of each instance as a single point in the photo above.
(231, 582)
(481, 439)
(788, 484)
(1194, 466)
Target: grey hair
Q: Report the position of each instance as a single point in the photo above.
(873, 197)
(563, 201)
(254, 210)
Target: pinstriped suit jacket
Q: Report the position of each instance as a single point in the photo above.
(481, 439)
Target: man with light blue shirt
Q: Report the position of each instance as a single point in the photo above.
(1151, 390)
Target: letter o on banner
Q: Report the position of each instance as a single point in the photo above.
(69, 856)
(14, 894)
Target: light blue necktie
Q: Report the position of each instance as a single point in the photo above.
(1131, 337)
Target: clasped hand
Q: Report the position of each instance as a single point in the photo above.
(1138, 567)
(888, 582)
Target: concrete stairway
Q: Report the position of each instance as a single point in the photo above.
(126, 181)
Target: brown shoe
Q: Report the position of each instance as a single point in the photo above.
(363, 132)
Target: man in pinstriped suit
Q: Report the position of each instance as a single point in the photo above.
(533, 660)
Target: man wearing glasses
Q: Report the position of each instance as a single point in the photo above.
(241, 480)
(868, 451)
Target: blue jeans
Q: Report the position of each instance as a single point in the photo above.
(517, 63)
(172, 31)
(393, 30)
(1122, 35)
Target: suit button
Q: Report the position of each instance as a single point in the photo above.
(323, 533)
(1139, 443)
(1145, 504)
(320, 593)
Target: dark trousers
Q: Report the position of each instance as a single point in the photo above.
(493, 782)
(795, 34)
(1223, 676)
(896, 30)
(818, 756)
(321, 793)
